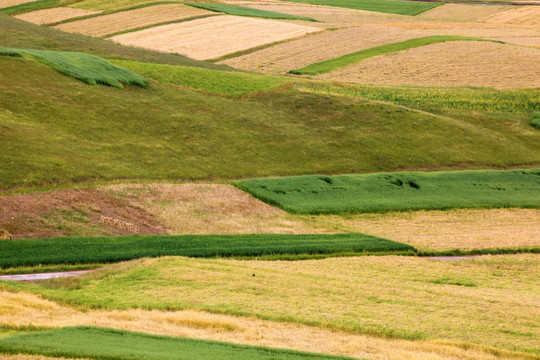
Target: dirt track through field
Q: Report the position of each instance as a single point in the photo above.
(457, 63)
(54, 15)
(302, 52)
(213, 37)
(10, 3)
(132, 19)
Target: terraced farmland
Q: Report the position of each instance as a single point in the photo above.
(50, 16)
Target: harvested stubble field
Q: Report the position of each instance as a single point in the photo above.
(110, 5)
(368, 295)
(213, 37)
(9, 3)
(523, 15)
(462, 12)
(311, 49)
(458, 63)
(54, 15)
(22, 309)
(132, 19)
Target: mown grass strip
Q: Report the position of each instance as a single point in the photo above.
(246, 11)
(402, 191)
(410, 8)
(348, 59)
(80, 250)
(535, 122)
(111, 344)
(234, 84)
(31, 6)
(90, 69)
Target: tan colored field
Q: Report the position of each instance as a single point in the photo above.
(132, 19)
(213, 37)
(299, 53)
(108, 5)
(25, 309)
(50, 16)
(457, 63)
(9, 3)
(462, 12)
(212, 209)
(452, 229)
(523, 15)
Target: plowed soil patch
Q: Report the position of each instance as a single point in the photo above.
(458, 63)
(10, 3)
(311, 49)
(126, 20)
(524, 15)
(213, 37)
(50, 16)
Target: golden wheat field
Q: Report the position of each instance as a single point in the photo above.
(525, 15)
(213, 37)
(457, 63)
(310, 49)
(50, 16)
(461, 12)
(132, 19)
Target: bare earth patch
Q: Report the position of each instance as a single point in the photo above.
(457, 63)
(132, 19)
(311, 49)
(10, 3)
(50, 16)
(24, 309)
(211, 209)
(213, 37)
(453, 229)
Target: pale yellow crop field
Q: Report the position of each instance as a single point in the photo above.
(108, 5)
(213, 37)
(456, 63)
(23, 309)
(50, 16)
(523, 15)
(462, 12)
(132, 19)
(299, 53)
(9, 3)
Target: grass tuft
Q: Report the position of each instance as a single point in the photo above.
(535, 122)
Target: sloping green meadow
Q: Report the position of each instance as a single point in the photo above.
(246, 11)
(110, 344)
(401, 191)
(82, 250)
(90, 69)
(385, 6)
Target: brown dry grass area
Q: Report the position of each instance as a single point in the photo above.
(523, 15)
(452, 229)
(213, 37)
(462, 12)
(132, 19)
(50, 16)
(9, 3)
(24, 309)
(311, 49)
(70, 213)
(212, 209)
(456, 63)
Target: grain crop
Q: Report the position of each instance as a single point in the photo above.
(523, 15)
(461, 12)
(9, 3)
(213, 37)
(132, 19)
(458, 63)
(50, 16)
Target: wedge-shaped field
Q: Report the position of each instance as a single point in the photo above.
(458, 63)
(213, 37)
(523, 15)
(384, 6)
(311, 49)
(401, 191)
(32, 252)
(50, 16)
(103, 343)
(9, 3)
(132, 19)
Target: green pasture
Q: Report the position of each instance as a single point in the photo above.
(400, 191)
(109, 344)
(352, 58)
(29, 6)
(410, 8)
(246, 11)
(535, 122)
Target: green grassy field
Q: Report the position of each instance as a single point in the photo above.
(246, 11)
(30, 6)
(82, 250)
(352, 58)
(208, 81)
(90, 69)
(535, 122)
(110, 344)
(400, 191)
(392, 7)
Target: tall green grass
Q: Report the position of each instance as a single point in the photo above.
(80, 250)
(348, 59)
(110, 344)
(385, 6)
(247, 11)
(90, 69)
(535, 122)
(401, 191)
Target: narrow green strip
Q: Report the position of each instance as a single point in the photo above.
(409, 8)
(352, 58)
(31, 6)
(246, 11)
